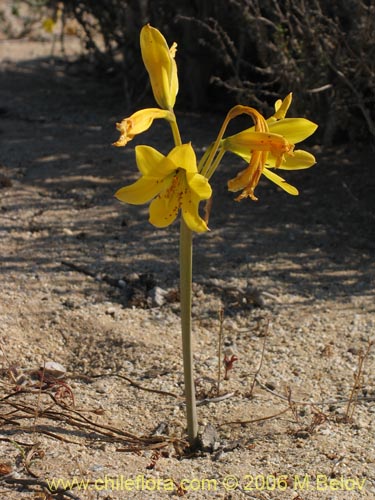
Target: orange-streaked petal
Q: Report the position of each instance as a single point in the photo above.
(164, 209)
(190, 213)
(244, 178)
(260, 141)
(139, 122)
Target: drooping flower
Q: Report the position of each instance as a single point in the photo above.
(172, 182)
(139, 122)
(160, 63)
(270, 144)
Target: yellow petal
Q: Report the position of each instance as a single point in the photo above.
(190, 213)
(278, 104)
(199, 185)
(48, 24)
(299, 161)
(280, 182)
(247, 176)
(142, 191)
(174, 76)
(293, 129)
(281, 108)
(161, 67)
(247, 141)
(152, 163)
(139, 122)
(183, 156)
(164, 209)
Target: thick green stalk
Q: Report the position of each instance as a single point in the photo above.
(186, 272)
(175, 131)
(186, 266)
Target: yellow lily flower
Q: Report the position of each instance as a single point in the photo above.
(270, 145)
(160, 63)
(172, 182)
(139, 122)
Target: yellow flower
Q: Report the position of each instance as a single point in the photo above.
(172, 182)
(270, 144)
(161, 66)
(139, 122)
(48, 24)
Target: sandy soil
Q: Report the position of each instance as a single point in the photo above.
(295, 276)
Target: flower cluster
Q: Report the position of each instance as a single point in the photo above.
(176, 182)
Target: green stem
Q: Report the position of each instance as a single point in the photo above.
(215, 146)
(215, 163)
(186, 266)
(186, 272)
(207, 165)
(202, 161)
(175, 131)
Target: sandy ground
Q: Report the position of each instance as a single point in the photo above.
(294, 275)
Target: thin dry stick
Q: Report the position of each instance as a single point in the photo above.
(357, 384)
(36, 414)
(34, 451)
(113, 435)
(147, 389)
(221, 320)
(243, 422)
(314, 403)
(3, 353)
(131, 382)
(218, 399)
(77, 420)
(52, 435)
(37, 482)
(292, 404)
(261, 360)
